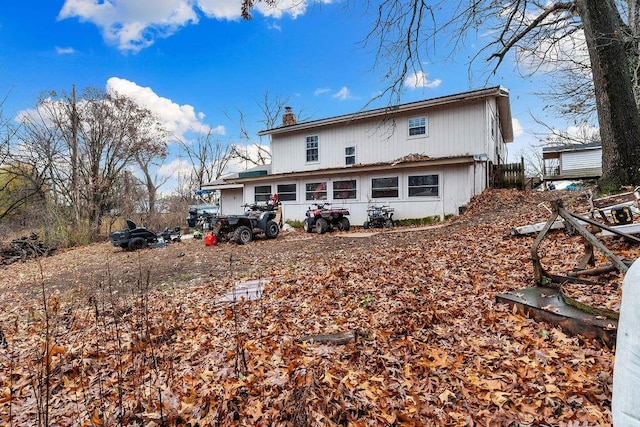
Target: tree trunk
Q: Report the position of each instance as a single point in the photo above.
(617, 109)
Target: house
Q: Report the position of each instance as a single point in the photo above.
(572, 161)
(425, 158)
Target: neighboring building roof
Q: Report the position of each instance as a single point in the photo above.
(572, 147)
(497, 91)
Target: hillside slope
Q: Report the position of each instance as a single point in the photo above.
(138, 338)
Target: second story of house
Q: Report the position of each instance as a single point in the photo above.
(476, 123)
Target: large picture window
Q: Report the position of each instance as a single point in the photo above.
(384, 187)
(287, 192)
(417, 126)
(344, 189)
(312, 149)
(424, 186)
(316, 191)
(262, 193)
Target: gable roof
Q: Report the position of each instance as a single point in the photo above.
(501, 93)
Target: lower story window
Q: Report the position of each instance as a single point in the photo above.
(344, 189)
(316, 191)
(384, 187)
(423, 186)
(262, 193)
(287, 192)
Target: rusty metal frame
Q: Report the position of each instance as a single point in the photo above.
(573, 221)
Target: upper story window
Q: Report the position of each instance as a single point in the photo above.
(384, 187)
(350, 156)
(262, 193)
(344, 189)
(287, 192)
(316, 191)
(312, 149)
(418, 126)
(424, 186)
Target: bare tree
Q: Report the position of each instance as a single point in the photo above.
(208, 156)
(406, 33)
(256, 152)
(112, 133)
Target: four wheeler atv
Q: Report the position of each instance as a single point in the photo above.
(323, 218)
(133, 237)
(379, 217)
(242, 229)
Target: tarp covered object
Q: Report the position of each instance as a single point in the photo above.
(625, 403)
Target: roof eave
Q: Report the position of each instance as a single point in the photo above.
(499, 91)
(459, 160)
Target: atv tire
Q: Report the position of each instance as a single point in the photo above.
(322, 226)
(344, 224)
(243, 235)
(271, 230)
(388, 223)
(137, 243)
(308, 225)
(365, 225)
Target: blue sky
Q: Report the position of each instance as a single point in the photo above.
(189, 61)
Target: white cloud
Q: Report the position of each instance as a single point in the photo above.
(421, 80)
(343, 94)
(321, 90)
(177, 119)
(133, 25)
(253, 151)
(517, 127)
(176, 168)
(65, 50)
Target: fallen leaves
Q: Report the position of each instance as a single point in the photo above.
(438, 350)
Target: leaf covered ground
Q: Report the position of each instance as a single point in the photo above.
(96, 336)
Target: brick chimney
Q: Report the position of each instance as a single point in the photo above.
(288, 118)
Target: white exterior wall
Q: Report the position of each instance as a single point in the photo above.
(451, 131)
(231, 201)
(576, 160)
(457, 184)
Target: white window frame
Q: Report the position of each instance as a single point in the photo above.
(309, 194)
(396, 188)
(335, 190)
(286, 194)
(417, 123)
(312, 140)
(437, 186)
(350, 158)
(261, 197)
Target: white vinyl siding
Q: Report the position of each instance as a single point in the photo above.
(463, 130)
(581, 160)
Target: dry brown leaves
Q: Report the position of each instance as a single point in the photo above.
(438, 349)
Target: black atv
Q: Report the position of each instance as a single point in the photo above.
(323, 218)
(134, 237)
(379, 217)
(257, 219)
